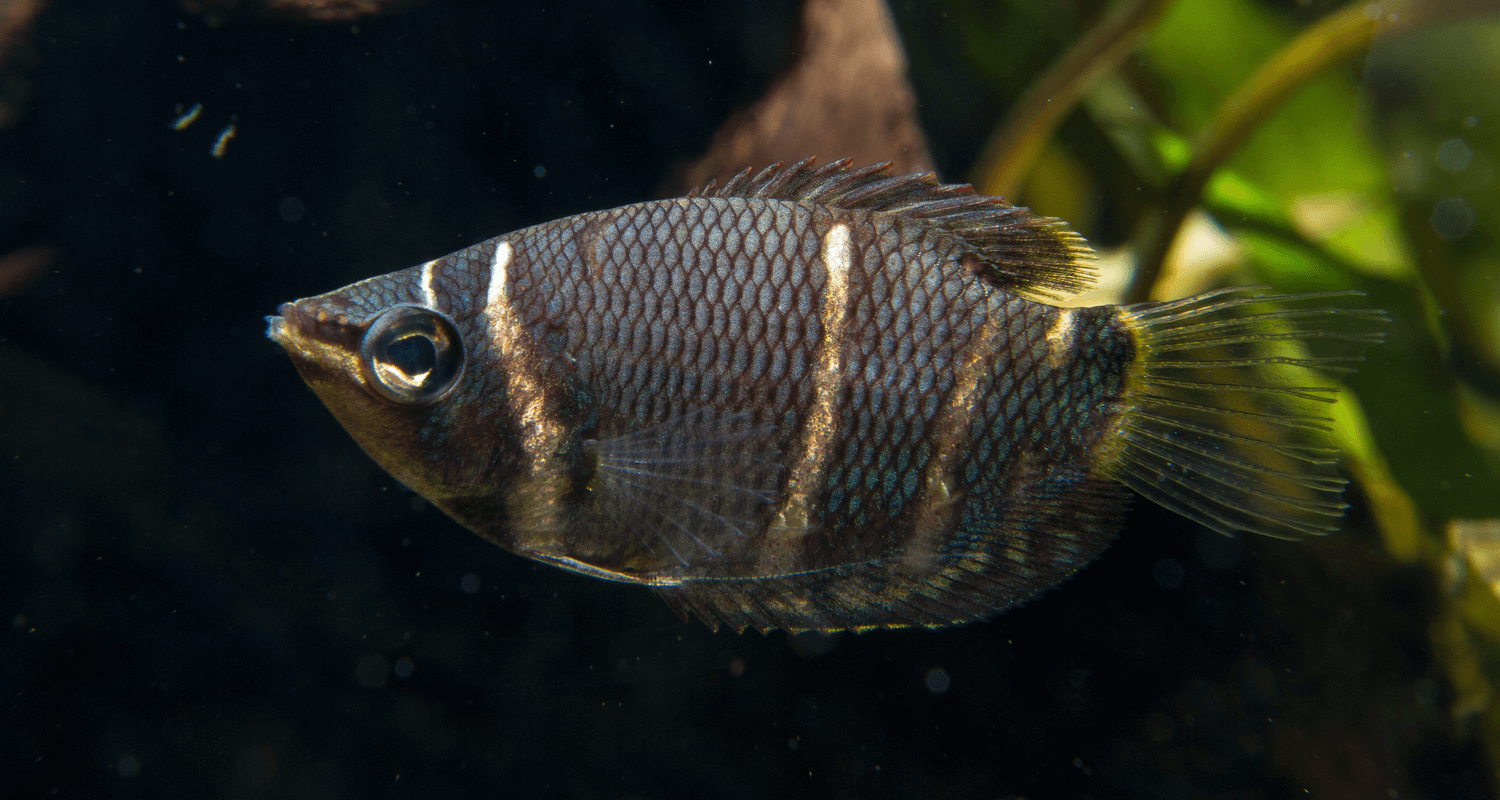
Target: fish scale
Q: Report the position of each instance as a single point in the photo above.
(699, 299)
(823, 398)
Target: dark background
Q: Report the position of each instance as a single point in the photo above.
(212, 592)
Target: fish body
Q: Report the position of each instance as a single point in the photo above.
(820, 398)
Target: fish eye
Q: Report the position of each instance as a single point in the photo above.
(411, 355)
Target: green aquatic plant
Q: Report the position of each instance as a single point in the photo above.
(1344, 150)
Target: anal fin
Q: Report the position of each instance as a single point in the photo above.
(990, 563)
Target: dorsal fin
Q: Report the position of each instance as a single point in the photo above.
(1012, 248)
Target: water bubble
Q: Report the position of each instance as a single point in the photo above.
(292, 209)
(1452, 218)
(469, 583)
(404, 668)
(1168, 573)
(1454, 155)
(938, 680)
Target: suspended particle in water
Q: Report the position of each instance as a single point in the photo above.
(188, 118)
(222, 143)
(469, 583)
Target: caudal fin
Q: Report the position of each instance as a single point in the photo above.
(1226, 407)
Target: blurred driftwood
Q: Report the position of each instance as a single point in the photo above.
(846, 94)
(20, 267)
(16, 17)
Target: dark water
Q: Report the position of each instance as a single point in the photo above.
(212, 592)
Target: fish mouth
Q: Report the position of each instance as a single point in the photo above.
(276, 325)
(294, 322)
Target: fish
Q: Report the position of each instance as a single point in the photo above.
(820, 397)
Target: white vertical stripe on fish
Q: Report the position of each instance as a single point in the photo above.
(429, 297)
(533, 503)
(1060, 336)
(807, 473)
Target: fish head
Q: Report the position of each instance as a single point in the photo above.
(397, 374)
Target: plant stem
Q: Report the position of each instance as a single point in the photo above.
(1014, 146)
(1336, 38)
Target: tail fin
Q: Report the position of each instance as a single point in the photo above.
(1223, 420)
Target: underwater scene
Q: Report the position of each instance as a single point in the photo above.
(944, 399)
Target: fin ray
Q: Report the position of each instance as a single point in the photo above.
(695, 483)
(1231, 462)
(1225, 419)
(1013, 248)
(1066, 524)
(1290, 420)
(732, 523)
(1224, 489)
